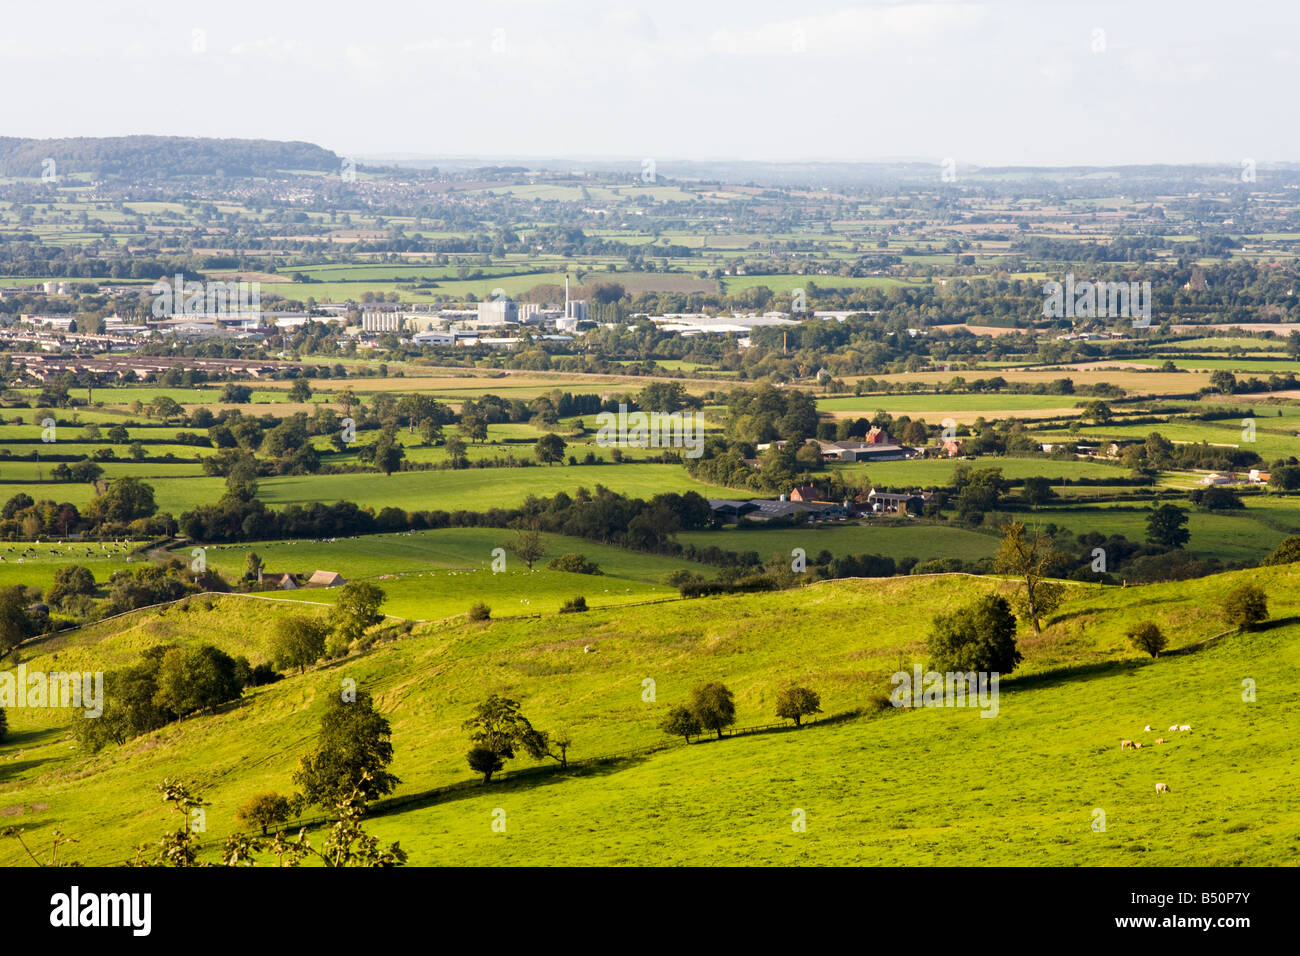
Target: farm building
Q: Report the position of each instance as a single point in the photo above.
(881, 502)
(325, 579)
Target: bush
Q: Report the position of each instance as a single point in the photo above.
(675, 579)
(1245, 606)
(574, 605)
(574, 563)
(1148, 637)
(480, 612)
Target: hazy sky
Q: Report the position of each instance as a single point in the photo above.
(1047, 82)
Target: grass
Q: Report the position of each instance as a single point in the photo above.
(473, 489)
(913, 787)
(920, 541)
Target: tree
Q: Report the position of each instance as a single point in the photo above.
(499, 726)
(680, 722)
(1037, 491)
(1287, 552)
(1286, 478)
(299, 391)
(430, 431)
(356, 610)
(4, 725)
(549, 449)
(298, 642)
(1165, 526)
(484, 760)
(388, 453)
(126, 500)
(252, 566)
(713, 707)
(264, 810)
(474, 424)
(979, 492)
(165, 408)
(1098, 412)
(456, 451)
(193, 679)
(1223, 382)
(795, 703)
(352, 751)
(978, 637)
(527, 546)
(15, 623)
(1245, 606)
(70, 581)
(1148, 637)
(1028, 556)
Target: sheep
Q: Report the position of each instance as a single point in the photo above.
(1125, 744)
(1174, 727)
(1185, 727)
(1162, 788)
(1147, 729)
(1160, 740)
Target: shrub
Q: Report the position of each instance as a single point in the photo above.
(574, 605)
(574, 563)
(264, 810)
(480, 612)
(1245, 606)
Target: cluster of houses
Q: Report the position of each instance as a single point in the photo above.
(811, 501)
(875, 446)
(1255, 477)
(292, 582)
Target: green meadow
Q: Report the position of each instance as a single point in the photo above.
(903, 787)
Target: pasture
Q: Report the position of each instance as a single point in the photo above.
(929, 785)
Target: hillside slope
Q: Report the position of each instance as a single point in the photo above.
(1080, 689)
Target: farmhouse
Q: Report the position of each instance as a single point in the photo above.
(325, 579)
(285, 582)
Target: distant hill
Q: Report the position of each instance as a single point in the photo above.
(152, 157)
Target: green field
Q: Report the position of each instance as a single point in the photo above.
(473, 489)
(908, 787)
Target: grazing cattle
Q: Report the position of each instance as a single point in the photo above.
(1185, 727)
(1162, 788)
(1125, 744)
(1160, 740)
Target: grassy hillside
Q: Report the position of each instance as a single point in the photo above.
(925, 786)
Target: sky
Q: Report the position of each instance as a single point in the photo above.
(1000, 82)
